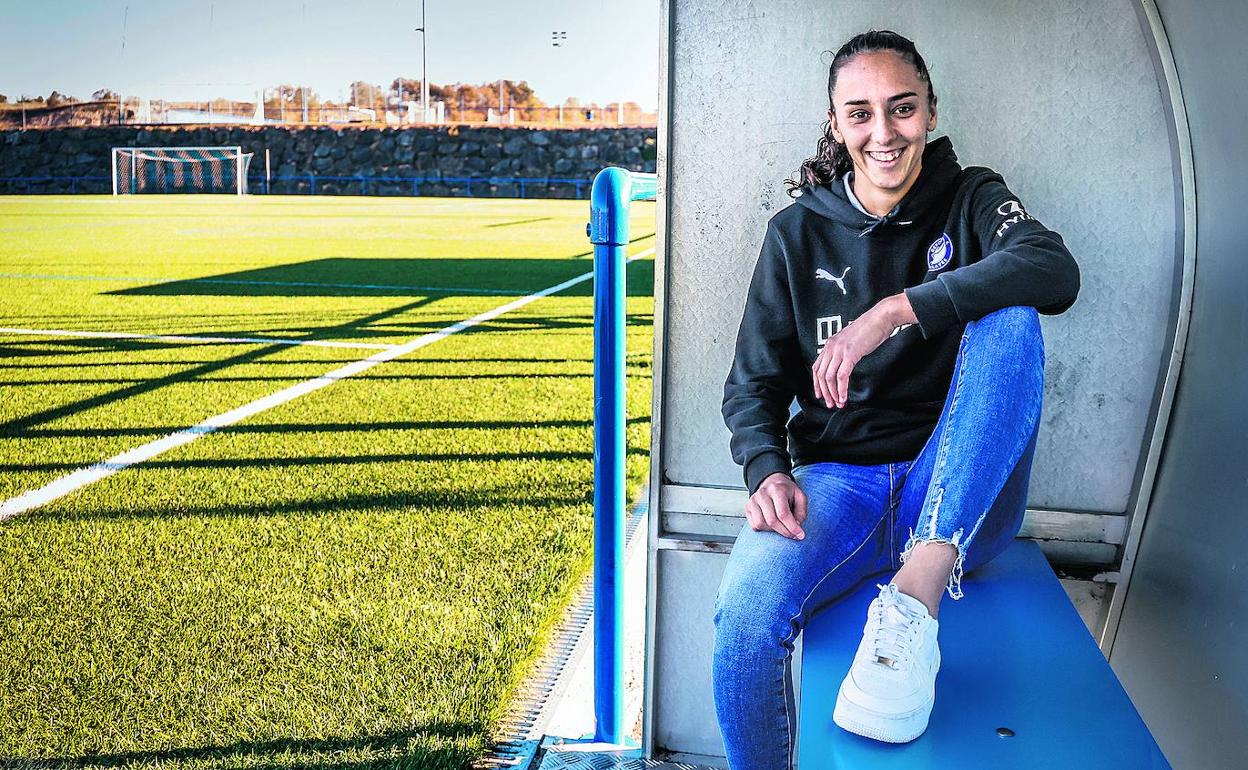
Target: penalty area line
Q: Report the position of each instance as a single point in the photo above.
(82, 477)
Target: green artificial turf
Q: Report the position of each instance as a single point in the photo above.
(360, 577)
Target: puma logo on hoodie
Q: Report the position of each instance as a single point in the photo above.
(821, 273)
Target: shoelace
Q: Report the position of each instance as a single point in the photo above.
(895, 629)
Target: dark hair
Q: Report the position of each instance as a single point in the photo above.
(831, 160)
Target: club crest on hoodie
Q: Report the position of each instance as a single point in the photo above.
(939, 253)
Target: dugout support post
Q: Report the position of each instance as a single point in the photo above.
(608, 231)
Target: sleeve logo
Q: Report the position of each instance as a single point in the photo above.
(939, 253)
(1014, 213)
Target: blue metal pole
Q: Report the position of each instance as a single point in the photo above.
(608, 231)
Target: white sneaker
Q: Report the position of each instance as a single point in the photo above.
(889, 690)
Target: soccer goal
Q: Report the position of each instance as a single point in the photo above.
(180, 170)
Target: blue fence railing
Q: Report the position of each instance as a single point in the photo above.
(316, 184)
(614, 189)
(28, 184)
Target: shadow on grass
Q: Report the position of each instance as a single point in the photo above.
(294, 280)
(330, 460)
(519, 222)
(231, 755)
(325, 427)
(290, 361)
(20, 424)
(75, 346)
(441, 500)
(365, 329)
(514, 323)
(277, 380)
(301, 377)
(350, 277)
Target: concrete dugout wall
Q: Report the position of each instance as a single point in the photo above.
(1082, 109)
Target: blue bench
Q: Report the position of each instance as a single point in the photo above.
(1022, 684)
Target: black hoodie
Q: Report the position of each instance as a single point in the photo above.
(959, 244)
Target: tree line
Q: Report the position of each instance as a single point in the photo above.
(56, 98)
(499, 96)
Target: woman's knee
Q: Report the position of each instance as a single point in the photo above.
(1019, 322)
(1009, 342)
(753, 612)
(765, 606)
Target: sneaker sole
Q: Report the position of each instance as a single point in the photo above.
(870, 724)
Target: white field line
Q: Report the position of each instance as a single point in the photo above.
(83, 476)
(183, 338)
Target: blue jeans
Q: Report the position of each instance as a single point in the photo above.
(967, 487)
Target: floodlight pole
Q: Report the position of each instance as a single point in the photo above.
(424, 69)
(608, 231)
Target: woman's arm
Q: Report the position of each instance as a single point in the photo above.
(760, 386)
(1025, 263)
(850, 345)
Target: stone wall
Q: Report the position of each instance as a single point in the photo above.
(447, 160)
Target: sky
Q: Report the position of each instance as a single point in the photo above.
(200, 49)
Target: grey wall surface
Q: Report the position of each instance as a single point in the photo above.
(1180, 645)
(1059, 97)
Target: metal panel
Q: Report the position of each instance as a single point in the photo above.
(684, 624)
(658, 383)
(1179, 647)
(718, 512)
(686, 584)
(1032, 90)
(1185, 204)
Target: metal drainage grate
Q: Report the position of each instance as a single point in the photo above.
(524, 725)
(571, 760)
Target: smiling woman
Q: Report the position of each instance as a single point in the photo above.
(898, 285)
(883, 132)
(871, 122)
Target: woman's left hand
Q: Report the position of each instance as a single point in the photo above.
(842, 352)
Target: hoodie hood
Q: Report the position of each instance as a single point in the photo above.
(937, 175)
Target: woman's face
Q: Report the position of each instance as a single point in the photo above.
(880, 113)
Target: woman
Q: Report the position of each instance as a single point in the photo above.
(896, 299)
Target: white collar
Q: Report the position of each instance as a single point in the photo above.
(849, 190)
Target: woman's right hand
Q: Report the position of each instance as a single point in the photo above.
(778, 505)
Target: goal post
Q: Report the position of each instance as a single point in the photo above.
(180, 170)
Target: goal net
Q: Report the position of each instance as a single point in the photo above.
(180, 170)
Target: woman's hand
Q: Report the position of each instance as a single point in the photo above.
(842, 352)
(778, 505)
